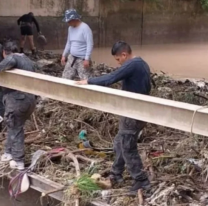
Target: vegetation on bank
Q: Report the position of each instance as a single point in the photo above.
(204, 3)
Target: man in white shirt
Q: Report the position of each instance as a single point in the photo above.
(78, 48)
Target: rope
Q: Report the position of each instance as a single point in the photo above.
(193, 117)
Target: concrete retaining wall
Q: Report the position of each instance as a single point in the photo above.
(137, 21)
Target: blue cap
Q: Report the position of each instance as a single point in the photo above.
(71, 14)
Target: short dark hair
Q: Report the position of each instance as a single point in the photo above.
(10, 47)
(120, 47)
(31, 13)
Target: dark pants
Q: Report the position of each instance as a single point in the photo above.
(1, 103)
(1, 107)
(26, 30)
(18, 108)
(125, 148)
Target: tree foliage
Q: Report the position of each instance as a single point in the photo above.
(204, 4)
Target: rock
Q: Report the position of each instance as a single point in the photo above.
(165, 89)
(101, 182)
(204, 199)
(165, 92)
(45, 62)
(106, 195)
(71, 126)
(187, 81)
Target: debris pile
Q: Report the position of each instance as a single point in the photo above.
(175, 161)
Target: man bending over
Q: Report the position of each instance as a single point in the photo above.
(18, 107)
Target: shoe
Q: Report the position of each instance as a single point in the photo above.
(21, 50)
(116, 179)
(17, 165)
(145, 185)
(34, 52)
(6, 157)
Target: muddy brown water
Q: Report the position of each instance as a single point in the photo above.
(179, 60)
(30, 198)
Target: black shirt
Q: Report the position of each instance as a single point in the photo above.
(135, 76)
(28, 19)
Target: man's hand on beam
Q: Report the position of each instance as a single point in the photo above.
(82, 82)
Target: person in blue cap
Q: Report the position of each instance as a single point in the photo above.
(77, 53)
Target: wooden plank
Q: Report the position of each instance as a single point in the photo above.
(42, 184)
(159, 111)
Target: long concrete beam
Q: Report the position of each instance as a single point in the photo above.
(159, 111)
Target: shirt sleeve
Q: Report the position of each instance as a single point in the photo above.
(88, 36)
(19, 20)
(36, 24)
(8, 63)
(67, 47)
(123, 72)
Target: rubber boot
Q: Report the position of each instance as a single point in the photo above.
(116, 179)
(144, 184)
(21, 50)
(33, 51)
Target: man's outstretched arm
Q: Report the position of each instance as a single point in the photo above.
(19, 20)
(106, 80)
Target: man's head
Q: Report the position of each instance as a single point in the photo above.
(9, 48)
(31, 14)
(121, 51)
(72, 17)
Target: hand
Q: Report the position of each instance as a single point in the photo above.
(82, 82)
(63, 60)
(86, 64)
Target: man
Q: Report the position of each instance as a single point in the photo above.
(78, 48)
(26, 27)
(135, 74)
(18, 108)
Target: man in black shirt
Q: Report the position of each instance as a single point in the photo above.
(26, 27)
(135, 76)
(18, 107)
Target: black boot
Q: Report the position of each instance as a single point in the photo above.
(21, 50)
(144, 184)
(33, 51)
(116, 179)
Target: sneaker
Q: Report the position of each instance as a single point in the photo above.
(6, 157)
(116, 179)
(145, 185)
(17, 165)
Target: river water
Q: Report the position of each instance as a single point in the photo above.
(179, 60)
